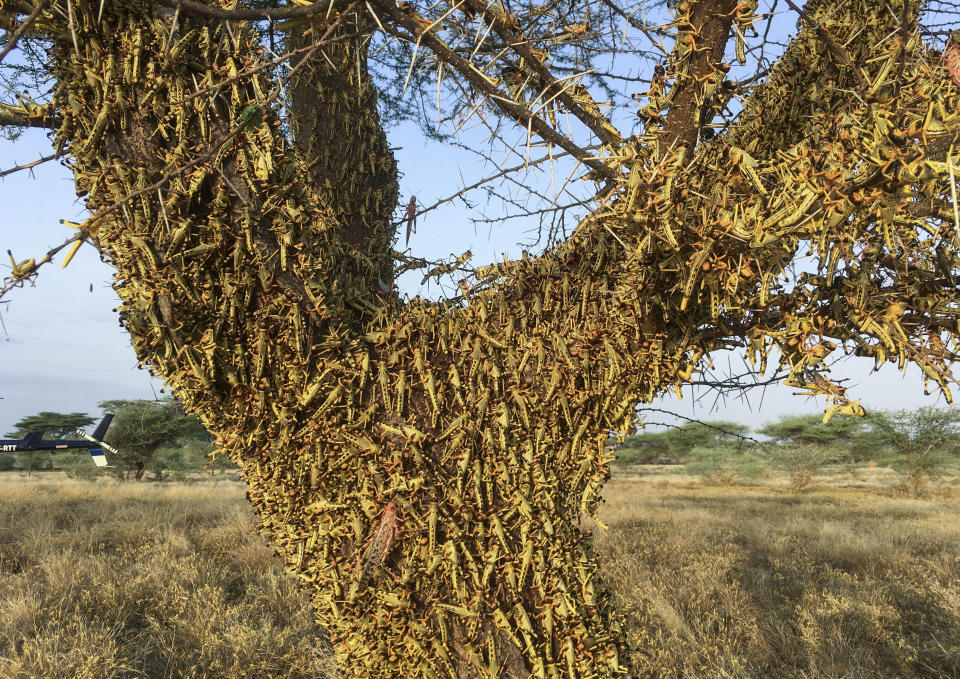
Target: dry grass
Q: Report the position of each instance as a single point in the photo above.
(756, 582)
(145, 580)
(141, 580)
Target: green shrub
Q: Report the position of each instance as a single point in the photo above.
(643, 448)
(674, 445)
(35, 460)
(925, 441)
(77, 464)
(811, 430)
(802, 461)
(725, 466)
(6, 462)
(646, 455)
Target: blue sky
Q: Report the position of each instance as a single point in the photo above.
(64, 350)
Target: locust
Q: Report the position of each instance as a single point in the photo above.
(375, 550)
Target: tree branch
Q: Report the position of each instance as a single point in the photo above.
(22, 28)
(13, 116)
(586, 110)
(694, 420)
(291, 283)
(697, 64)
(214, 12)
(28, 166)
(640, 26)
(466, 189)
(414, 25)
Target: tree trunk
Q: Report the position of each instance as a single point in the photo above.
(336, 127)
(248, 287)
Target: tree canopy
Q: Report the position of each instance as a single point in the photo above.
(53, 425)
(810, 429)
(676, 443)
(923, 439)
(140, 430)
(424, 465)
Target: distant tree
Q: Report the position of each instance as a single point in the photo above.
(219, 463)
(923, 439)
(198, 455)
(725, 465)
(193, 430)
(140, 429)
(35, 459)
(645, 448)
(6, 462)
(114, 405)
(801, 461)
(802, 430)
(677, 442)
(53, 425)
(76, 464)
(168, 462)
(686, 437)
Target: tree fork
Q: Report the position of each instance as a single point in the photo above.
(490, 574)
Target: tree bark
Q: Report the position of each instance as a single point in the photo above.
(336, 126)
(697, 68)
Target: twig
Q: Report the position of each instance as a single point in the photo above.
(472, 74)
(548, 82)
(642, 27)
(662, 411)
(27, 166)
(485, 180)
(22, 28)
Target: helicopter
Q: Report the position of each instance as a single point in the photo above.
(92, 442)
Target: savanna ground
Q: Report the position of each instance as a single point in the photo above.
(850, 578)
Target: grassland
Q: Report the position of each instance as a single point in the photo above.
(145, 580)
(171, 580)
(757, 582)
